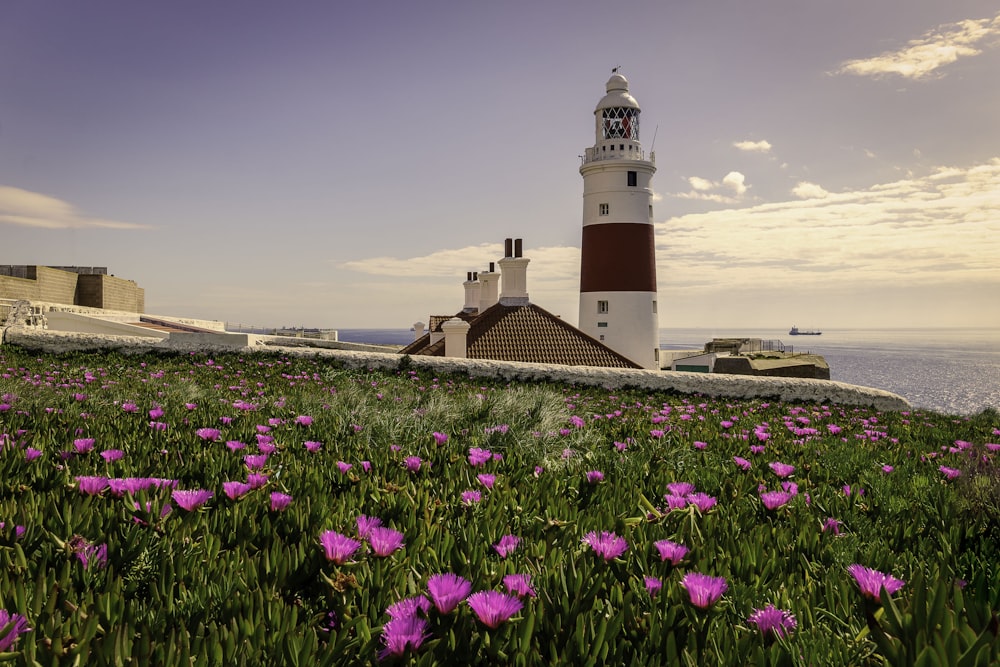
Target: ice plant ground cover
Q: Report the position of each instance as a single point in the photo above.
(173, 549)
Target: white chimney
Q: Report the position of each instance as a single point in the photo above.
(489, 282)
(418, 330)
(472, 290)
(455, 335)
(514, 270)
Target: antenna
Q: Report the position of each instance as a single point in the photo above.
(653, 143)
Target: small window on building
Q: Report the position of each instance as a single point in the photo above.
(621, 147)
(632, 179)
(602, 336)
(602, 307)
(654, 307)
(650, 211)
(602, 325)
(602, 209)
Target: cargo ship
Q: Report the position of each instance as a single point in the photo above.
(794, 331)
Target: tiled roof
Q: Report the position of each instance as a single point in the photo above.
(526, 333)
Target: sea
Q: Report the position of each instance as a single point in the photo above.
(949, 370)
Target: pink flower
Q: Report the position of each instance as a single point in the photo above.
(414, 606)
(774, 499)
(256, 480)
(470, 497)
(605, 544)
(12, 626)
(210, 434)
(781, 469)
(344, 467)
(440, 438)
(772, 621)
(487, 480)
(671, 551)
(680, 488)
(402, 634)
(91, 486)
(832, 525)
(30, 454)
(384, 541)
(595, 476)
(234, 490)
(412, 463)
(507, 545)
(742, 463)
(313, 446)
(192, 499)
(871, 582)
(493, 608)
(653, 586)
(448, 590)
(478, 457)
(255, 461)
(110, 455)
(303, 420)
(280, 501)
(704, 590)
(338, 548)
(702, 501)
(83, 445)
(950, 473)
(675, 502)
(519, 584)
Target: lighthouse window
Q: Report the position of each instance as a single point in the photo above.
(602, 209)
(602, 307)
(632, 177)
(602, 325)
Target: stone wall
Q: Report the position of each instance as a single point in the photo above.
(89, 288)
(711, 385)
(18, 288)
(55, 286)
(111, 292)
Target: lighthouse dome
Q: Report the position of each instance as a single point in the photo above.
(618, 95)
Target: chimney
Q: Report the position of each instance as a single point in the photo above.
(514, 275)
(455, 338)
(489, 283)
(472, 287)
(418, 330)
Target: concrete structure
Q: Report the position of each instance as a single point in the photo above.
(718, 386)
(87, 286)
(618, 259)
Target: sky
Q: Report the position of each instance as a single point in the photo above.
(343, 165)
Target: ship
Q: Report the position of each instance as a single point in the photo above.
(794, 331)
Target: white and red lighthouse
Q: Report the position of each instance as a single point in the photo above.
(618, 263)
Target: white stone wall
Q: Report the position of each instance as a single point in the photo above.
(716, 386)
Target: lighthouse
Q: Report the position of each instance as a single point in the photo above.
(618, 260)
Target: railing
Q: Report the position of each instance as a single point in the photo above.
(592, 155)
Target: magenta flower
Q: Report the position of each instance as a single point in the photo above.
(493, 608)
(756, 449)
(234, 445)
(234, 490)
(871, 582)
(303, 420)
(344, 467)
(88, 553)
(156, 413)
(337, 547)
(887, 469)
(671, 551)
(110, 455)
(440, 438)
(506, 545)
(470, 497)
(12, 626)
(256, 480)
(519, 584)
(91, 486)
(772, 621)
(210, 434)
(702, 501)
(832, 525)
(595, 476)
(412, 463)
(950, 473)
(313, 446)
(704, 590)
(774, 499)
(487, 480)
(478, 457)
(401, 634)
(448, 590)
(130, 407)
(414, 606)
(366, 524)
(30, 454)
(605, 544)
(255, 461)
(742, 463)
(680, 488)
(280, 501)
(83, 445)
(366, 466)
(781, 469)
(384, 541)
(192, 499)
(675, 502)
(700, 445)
(653, 586)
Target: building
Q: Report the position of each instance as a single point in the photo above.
(618, 259)
(88, 286)
(507, 326)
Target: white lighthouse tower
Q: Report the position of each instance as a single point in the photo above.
(618, 263)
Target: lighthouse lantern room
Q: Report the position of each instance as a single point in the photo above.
(618, 262)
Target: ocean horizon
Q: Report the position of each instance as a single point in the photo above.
(950, 370)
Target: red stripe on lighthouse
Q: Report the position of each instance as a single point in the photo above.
(618, 257)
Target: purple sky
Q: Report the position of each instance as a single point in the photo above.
(831, 164)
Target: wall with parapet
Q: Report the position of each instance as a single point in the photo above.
(713, 385)
(52, 285)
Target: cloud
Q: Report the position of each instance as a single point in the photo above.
(807, 190)
(716, 191)
(920, 58)
(33, 209)
(934, 230)
(753, 146)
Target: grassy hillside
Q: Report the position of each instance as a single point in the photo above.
(260, 510)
